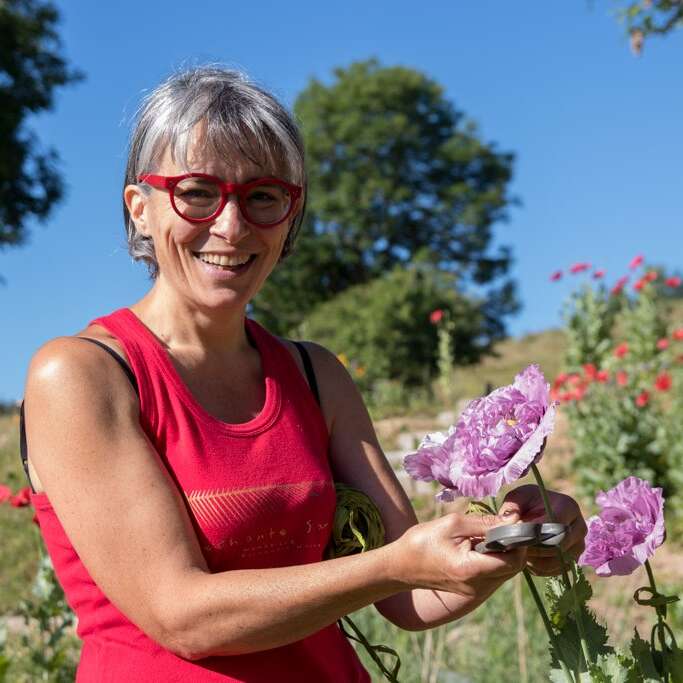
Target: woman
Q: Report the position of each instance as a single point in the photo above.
(183, 468)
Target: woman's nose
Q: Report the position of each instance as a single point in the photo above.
(230, 225)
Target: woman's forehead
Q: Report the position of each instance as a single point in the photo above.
(234, 165)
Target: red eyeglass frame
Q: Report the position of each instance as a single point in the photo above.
(169, 183)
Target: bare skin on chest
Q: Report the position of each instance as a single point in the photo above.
(233, 394)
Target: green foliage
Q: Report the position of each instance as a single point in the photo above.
(561, 612)
(31, 67)
(651, 18)
(383, 327)
(395, 170)
(479, 648)
(616, 433)
(589, 316)
(45, 649)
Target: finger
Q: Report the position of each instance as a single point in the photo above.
(476, 526)
(523, 500)
(498, 564)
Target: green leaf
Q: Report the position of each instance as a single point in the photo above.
(645, 665)
(568, 640)
(613, 668)
(674, 660)
(562, 601)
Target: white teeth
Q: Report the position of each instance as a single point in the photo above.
(222, 260)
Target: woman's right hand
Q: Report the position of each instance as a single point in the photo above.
(440, 555)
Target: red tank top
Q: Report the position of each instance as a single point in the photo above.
(260, 494)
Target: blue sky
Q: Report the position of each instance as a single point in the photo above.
(596, 132)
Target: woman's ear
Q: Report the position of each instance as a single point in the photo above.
(136, 201)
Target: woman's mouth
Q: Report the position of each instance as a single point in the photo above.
(222, 263)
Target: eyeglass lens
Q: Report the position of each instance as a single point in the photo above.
(199, 198)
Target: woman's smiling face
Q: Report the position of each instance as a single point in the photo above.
(222, 262)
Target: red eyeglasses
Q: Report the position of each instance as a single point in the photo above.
(198, 197)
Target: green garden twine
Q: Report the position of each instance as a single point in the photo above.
(358, 527)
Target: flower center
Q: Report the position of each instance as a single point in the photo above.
(511, 423)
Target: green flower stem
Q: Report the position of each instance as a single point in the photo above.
(548, 625)
(563, 564)
(542, 611)
(660, 620)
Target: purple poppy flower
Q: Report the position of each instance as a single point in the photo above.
(628, 529)
(495, 441)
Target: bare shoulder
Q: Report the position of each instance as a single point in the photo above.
(66, 361)
(67, 374)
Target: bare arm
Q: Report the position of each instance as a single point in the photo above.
(358, 461)
(94, 462)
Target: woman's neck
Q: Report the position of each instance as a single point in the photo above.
(182, 325)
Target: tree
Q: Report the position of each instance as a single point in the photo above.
(31, 67)
(394, 170)
(651, 18)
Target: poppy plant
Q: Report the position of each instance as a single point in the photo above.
(619, 285)
(495, 441)
(636, 261)
(579, 268)
(22, 498)
(436, 316)
(557, 275)
(673, 282)
(663, 344)
(628, 529)
(663, 382)
(643, 399)
(621, 350)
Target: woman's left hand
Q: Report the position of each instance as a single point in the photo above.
(527, 502)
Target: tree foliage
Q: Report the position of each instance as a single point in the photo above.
(651, 18)
(31, 67)
(395, 170)
(382, 328)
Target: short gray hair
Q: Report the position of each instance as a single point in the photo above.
(238, 116)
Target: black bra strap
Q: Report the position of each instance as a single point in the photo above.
(308, 367)
(23, 451)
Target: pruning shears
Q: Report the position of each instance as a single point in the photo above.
(510, 536)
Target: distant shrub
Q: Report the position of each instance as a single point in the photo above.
(382, 330)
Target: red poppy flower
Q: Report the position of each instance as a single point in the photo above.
(590, 371)
(678, 334)
(621, 350)
(566, 397)
(602, 376)
(663, 382)
(651, 276)
(436, 316)
(579, 393)
(639, 284)
(5, 493)
(674, 281)
(663, 344)
(574, 380)
(22, 498)
(557, 275)
(560, 379)
(599, 274)
(619, 285)
(636, 261)
(579, 267)
(643, 399)
(622, 378)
